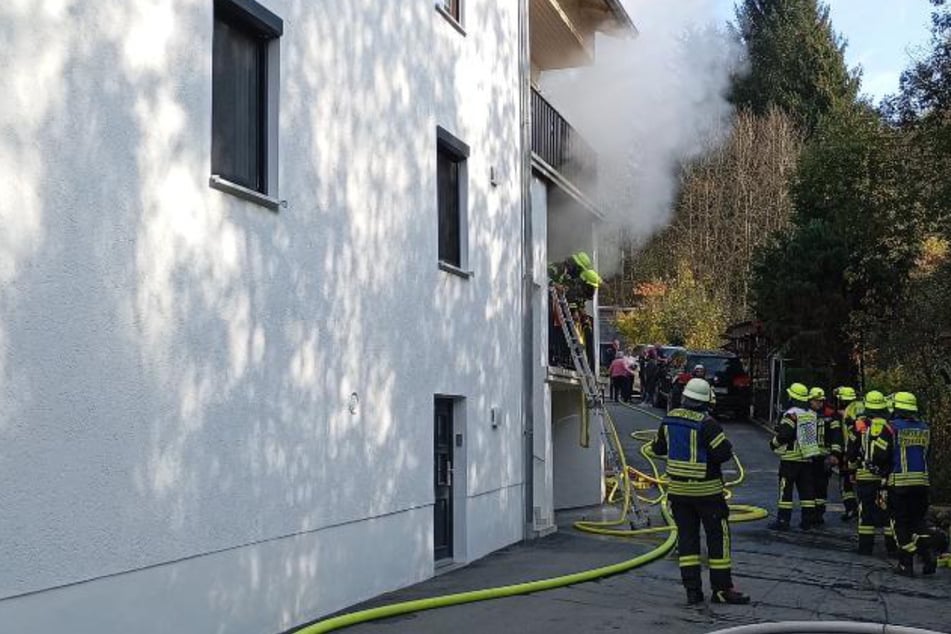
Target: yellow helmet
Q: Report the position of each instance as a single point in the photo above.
(591, 278)
(875, 401)
(817, 394)
(798, 392)
(845, 394)
(906, 402)
(582, 259)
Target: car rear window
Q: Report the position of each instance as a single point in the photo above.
(715, 365)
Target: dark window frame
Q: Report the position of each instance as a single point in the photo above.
(253, 22)
(452, 257)
(453, 11)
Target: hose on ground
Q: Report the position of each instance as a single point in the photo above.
(609, 527)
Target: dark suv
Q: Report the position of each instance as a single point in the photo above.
(724, 371)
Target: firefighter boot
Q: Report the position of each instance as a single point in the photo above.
(730, 595)
(866, 544)
(929, 561)
(906, 564)
(779, 525)
(694, 596)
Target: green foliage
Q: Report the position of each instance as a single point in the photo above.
(800, 292)
(677, 311)
(925, 87)
(797, 61)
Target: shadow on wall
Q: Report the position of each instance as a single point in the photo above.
(176, 364)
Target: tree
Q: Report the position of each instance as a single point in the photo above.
(799, 290)
(796, 61)
(676, 311)
(729, 202)
(925, 87)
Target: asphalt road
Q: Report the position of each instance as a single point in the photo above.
(789, 576)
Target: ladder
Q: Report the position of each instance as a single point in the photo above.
(594, 397)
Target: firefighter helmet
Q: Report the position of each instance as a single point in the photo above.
(906, 402)
(582, 259)
(698, 390)
(817, 394)
(798, 392)
(875, 401)
(845, 394)
(591, 278)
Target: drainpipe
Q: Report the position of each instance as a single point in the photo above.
(528, 291)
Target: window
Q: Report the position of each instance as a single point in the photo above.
(453, 8)
(452, 11)
(451, 185)
(244, 91)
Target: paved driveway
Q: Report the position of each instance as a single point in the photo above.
(790, 576)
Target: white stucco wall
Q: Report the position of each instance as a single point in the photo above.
(176, 363)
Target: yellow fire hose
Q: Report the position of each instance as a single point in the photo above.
(745, 513)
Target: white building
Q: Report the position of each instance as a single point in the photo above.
(263, 317)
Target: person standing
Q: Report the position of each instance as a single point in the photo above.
(618, 371)
(847, 410)
(796, 442)
(901, 454)
(868, 483)
(822, 463)
(696, 447)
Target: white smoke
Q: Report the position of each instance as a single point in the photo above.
(648, 105)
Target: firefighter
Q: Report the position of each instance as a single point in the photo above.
(579, 292)
(901, 454)
(868, 483)
(823, 462)
(568, 276)
(796, 442)
(696, 447)
(848, 408)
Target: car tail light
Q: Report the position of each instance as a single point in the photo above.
(741, 380)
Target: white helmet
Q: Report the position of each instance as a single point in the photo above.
(697, 390)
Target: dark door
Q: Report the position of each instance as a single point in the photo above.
(442, 472)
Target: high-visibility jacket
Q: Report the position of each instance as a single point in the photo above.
(695, 447)
(901, 450)
(849, 438)
(866, 430)
(797, 436)
(825, 431)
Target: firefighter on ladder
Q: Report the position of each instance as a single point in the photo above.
(901, 454)
(868, 483)
(575, 277)
(696, 447)
(796, 442)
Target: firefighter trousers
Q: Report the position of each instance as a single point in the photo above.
(872, 517)
(847, 485)
(907, 508)
(820, 481)
(712, 512)
(798, 476)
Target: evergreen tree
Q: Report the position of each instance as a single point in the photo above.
(796, 61)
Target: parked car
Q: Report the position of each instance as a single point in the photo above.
(726, 374)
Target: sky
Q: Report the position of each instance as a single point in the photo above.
(882, 36)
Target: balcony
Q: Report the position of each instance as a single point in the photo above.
(559, 151)
(563, 31)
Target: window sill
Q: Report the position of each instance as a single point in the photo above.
(224, 185)
(455, 270)
(453, 21)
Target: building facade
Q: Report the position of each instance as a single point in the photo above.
(262, 306)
